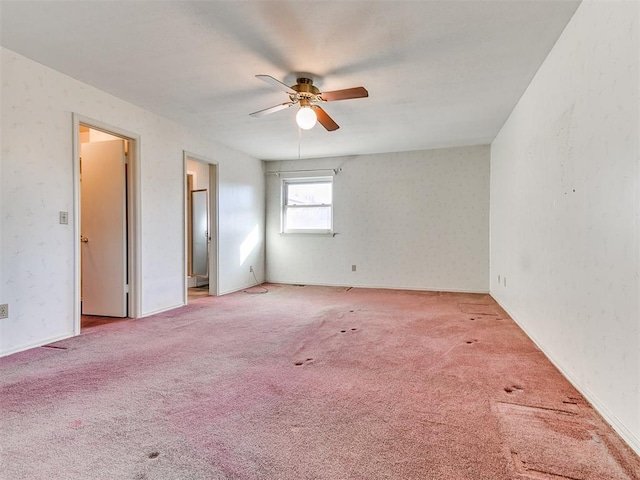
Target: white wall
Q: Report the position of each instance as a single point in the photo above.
(565, 213)
(37, 182)
(414, 220)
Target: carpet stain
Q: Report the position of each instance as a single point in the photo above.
(478, 308)
(154, 455)
(299, 363)
(524, 471)
(513, 389)
(550, 443)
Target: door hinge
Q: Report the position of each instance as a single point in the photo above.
(126, 288)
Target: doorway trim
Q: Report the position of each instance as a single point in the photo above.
(133, 213)
(214, 192)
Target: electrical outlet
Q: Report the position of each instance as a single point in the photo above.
(251, 268)
(4, 310)
(353, 268)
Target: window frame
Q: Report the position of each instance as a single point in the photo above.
(284, 207)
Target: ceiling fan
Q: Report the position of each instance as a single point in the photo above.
(308, 96)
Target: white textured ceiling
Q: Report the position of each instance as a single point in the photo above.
(439, 73)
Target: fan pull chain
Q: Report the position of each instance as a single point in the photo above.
(299, 141)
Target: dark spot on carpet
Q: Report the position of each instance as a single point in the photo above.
(352, 311)
(297, 364)
(309, 359)
(343, 331)
(469, 342)
(154, 454)
(513, 388)
(353, 329)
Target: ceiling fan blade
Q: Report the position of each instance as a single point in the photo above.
(347, 93)
(275, 83)
(267, 111)
(325, 120)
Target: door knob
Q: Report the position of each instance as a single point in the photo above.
(83, 239)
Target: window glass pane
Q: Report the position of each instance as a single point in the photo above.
(309, 193)
(312, 218)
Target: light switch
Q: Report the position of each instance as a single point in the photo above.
(64, 218)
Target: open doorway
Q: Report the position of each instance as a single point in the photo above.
(105, 224)
(201, 232)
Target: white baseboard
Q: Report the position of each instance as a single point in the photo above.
(38, 343)
(197, 281)
(234, 290)
(162, 310)
(384, 287)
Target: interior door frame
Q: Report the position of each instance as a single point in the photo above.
(213, 183)
(134, 261)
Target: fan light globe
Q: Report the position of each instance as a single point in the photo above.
(306, 118)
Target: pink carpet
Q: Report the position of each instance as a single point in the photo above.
(303, 383)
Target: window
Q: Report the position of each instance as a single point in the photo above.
(307, 205)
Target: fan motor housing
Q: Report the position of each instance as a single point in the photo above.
(305, 88)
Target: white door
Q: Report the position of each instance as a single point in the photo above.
(103, 229)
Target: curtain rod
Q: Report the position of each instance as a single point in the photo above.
(334, 170)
